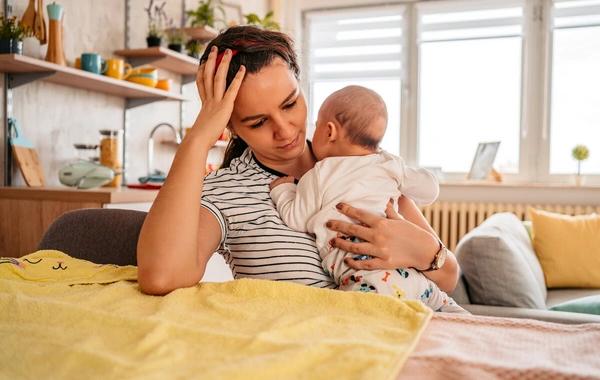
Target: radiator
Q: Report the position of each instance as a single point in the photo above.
(452, 220)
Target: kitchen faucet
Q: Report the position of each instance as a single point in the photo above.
(151, 145)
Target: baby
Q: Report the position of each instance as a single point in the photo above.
(352, 169)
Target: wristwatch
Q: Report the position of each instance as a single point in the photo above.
(439, 259)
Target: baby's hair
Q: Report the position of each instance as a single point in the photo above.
(362, 114)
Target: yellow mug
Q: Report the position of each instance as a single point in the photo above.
(78, 63)
(117, 68)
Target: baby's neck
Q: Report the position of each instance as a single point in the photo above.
(352, 150)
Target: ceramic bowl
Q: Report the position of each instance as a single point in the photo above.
(164, 84)
(143, 76)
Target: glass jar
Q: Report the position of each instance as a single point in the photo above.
(111, 154)
(87, 152)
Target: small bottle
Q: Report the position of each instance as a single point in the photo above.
(111, 154)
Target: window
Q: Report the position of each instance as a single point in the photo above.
(455, 73)
(469, 83)
(575, 110)
(360, 46)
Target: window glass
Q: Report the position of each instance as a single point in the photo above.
(360, 46)
(575, 114)
(469, 86)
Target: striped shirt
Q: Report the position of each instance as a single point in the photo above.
(255, 241)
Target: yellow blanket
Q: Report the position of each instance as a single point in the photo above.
(65, 318)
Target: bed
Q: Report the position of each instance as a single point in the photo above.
(65, 317)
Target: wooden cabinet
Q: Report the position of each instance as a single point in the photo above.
(26, 213)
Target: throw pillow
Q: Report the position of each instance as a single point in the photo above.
(568, 248)
(499, 265)
(586, 305)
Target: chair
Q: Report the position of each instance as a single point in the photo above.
(104, 236)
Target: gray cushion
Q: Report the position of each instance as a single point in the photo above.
(499, 264)
(103, 236)
(460, 294)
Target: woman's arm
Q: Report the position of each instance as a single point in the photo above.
(394, 242)
(178, 236)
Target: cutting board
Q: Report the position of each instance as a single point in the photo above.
(26, 157)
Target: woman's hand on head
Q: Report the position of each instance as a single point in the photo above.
(217, 103)
(392, 242)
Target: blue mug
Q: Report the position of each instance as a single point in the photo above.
(93, 63)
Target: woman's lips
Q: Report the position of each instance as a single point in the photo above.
(291, 145)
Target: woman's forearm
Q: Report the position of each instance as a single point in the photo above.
(168, 243)
(447, 276)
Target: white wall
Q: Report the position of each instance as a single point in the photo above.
(55, 117)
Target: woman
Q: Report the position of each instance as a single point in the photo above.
(248, 81)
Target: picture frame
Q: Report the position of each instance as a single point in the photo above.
(481, 168)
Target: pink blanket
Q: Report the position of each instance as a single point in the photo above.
(475, 347)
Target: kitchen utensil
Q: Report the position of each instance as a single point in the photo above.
(164, 84)
(117, 68)
(94, 63)
(56, 51)
(111, 153)
(28, 18)
(144, 76)
(87, 152)
(145, 186)
(39, 25)
(26, 157)
(85, 175)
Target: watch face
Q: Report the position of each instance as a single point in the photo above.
(442, 257)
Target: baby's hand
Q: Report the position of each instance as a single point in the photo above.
(282, 180)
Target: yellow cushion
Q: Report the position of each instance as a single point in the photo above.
(568, 248)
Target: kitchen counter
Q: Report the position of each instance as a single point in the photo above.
(27, 212)
(67, 194)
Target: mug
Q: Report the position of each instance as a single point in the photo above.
(117, 68)
(78, 63)
(93, 63)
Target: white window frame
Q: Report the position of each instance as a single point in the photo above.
(536, 78)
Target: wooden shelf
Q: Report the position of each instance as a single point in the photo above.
(161, 58)
(27, 69)
(201, 33)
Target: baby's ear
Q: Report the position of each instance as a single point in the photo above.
(333, 131)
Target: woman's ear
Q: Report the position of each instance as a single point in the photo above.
(231, 130)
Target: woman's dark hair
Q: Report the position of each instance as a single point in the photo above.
(256, 49)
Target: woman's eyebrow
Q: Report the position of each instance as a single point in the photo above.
(287, 99)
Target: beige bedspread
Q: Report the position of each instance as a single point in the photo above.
(475, 347)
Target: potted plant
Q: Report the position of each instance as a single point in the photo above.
(195, 49)
(580, 153)
(156, 16)
(12, 33)
(265, 23)
(177, 39)
(205, 14)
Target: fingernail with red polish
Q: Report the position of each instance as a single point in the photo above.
(338, 206)
(332, 242)
(328, 224)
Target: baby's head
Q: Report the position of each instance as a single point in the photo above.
(351, 122)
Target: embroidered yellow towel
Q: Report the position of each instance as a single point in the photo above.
(243, 329)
